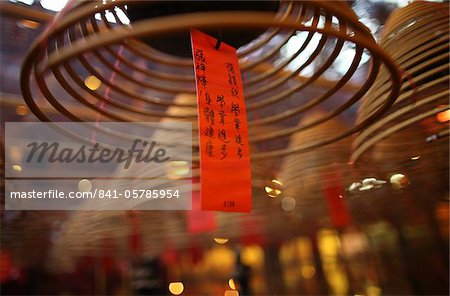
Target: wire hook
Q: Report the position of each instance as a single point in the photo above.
(219, 40)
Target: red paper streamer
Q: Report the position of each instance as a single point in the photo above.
(224, 146)
(334, 194)
(338, 210)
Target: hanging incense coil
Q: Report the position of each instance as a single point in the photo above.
(138, 83)
(305, 176)
(416, 36)
(86, 231)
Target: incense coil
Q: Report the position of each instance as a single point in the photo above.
(423, 58)
(306, 176)
(76, 45)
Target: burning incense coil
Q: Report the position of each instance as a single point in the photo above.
(419, 112)
(91, 55)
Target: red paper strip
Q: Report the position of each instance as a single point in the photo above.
(200, 221)
(135, 237)
(224, 146)
(334, 194)
(338, 210)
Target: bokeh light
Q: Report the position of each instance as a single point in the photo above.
(92, 82)
(176, 288)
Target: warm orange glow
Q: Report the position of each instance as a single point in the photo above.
(276, 181)
(307, 271)
(17, 168)
(399, 181)
(252, 256)
(220, 240)
(274, 189)
(443, 116)
(28, 24)
(15, 154)
(21, 110)
(373, 291)
(232, 284)
(92, 82)
(176, 288)
(177, 169)
(272, 192)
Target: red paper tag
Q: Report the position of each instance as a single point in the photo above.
(224, 146)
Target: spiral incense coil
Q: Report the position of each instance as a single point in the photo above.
(305, 176)
(417, 37)
(91, 56)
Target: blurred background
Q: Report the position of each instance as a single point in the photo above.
(386, 234)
